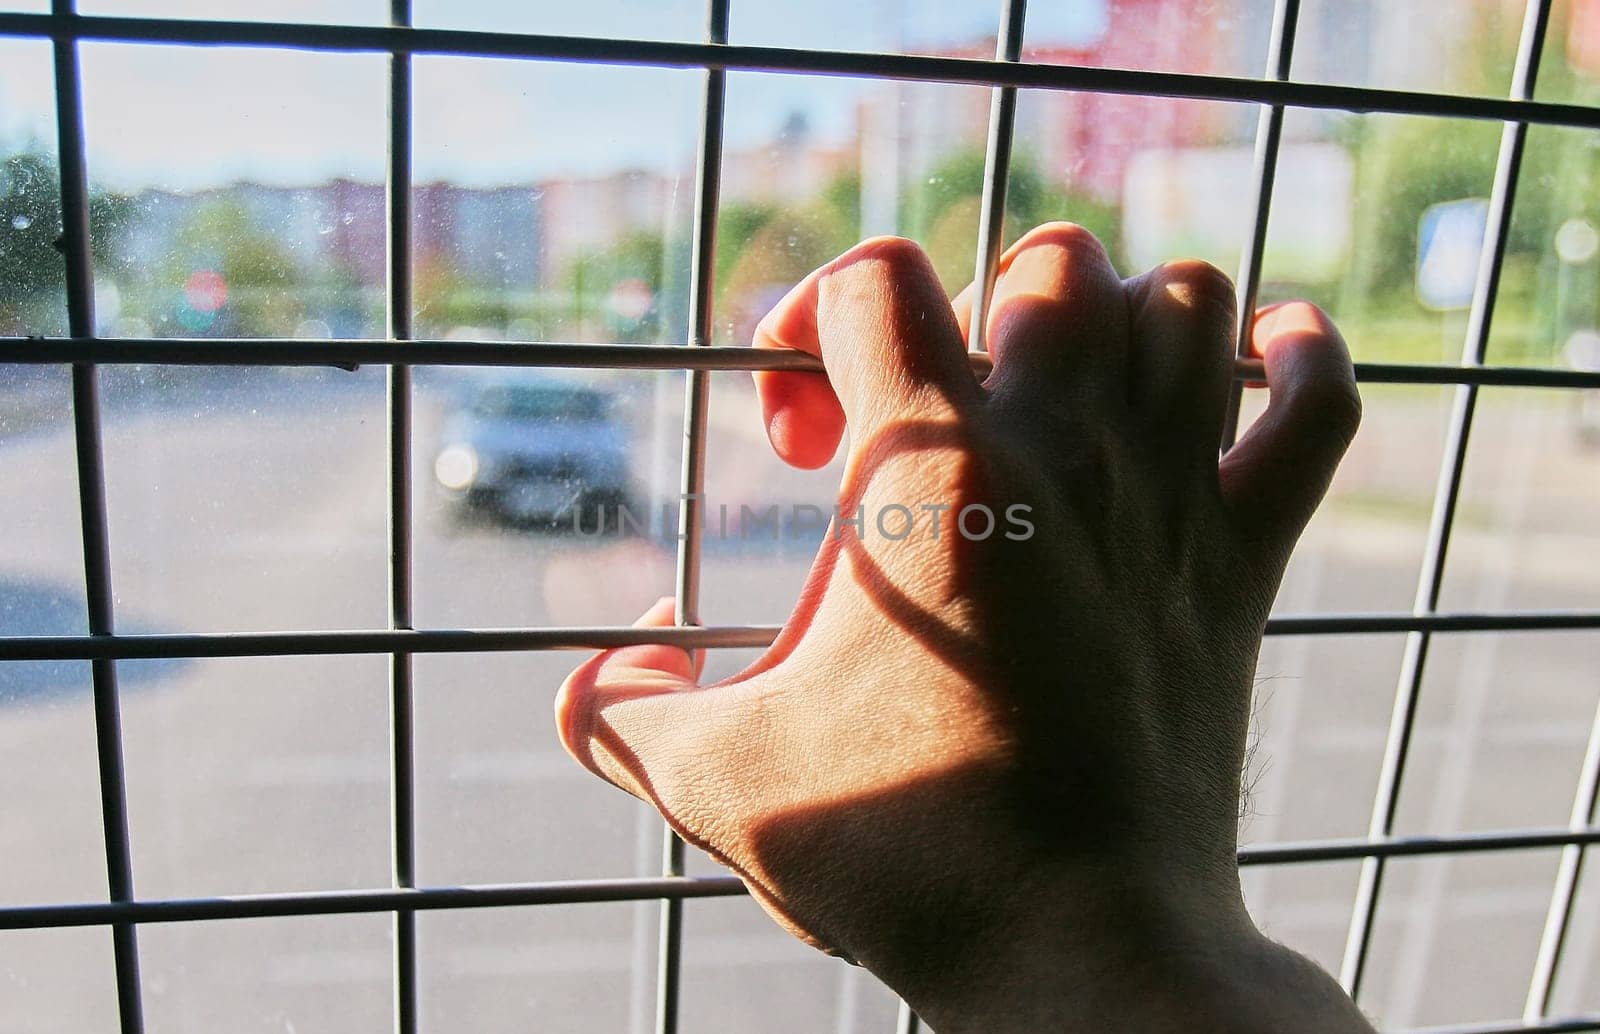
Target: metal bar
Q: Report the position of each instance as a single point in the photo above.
(77, 249)
(570, 892)
(145, 646)
(571, 355)
(1414, 846)
(1558, 918)
(996, 170)
(1557, 1026)
(1474, 349)
(906, 1021)
(1269, 135)
(790, 60)
(697, 402)
(384, 899)
(402, 756)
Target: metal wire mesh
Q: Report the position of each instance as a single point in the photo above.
(123, 912)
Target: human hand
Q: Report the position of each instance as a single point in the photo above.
(973, 762)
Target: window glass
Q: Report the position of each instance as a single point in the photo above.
(1319, 714)
(561, 511)
(1378, 219)
(1525, 521)
(1455, 938)
(312, 975)
(233, 212)
(1570, 70)
(557, 968)
(557, 206)
(49, 787)
(616, 19)
(59, 979)
(740, 972)
(47, 765)
(1548, 309)
(1574, 992)
(1221, 37)
(498, 799)
(32, 275)
(332, 12)
(1363, 548)
(1501, 728)
(957, 28)
(761, 532)
(1446, 46)
(257, 774)
(41, 554)
(1155, 179)
(1305, 906)
(247, 498)
(813, 165)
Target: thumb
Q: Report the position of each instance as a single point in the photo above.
(1276, 475)
(624, 708)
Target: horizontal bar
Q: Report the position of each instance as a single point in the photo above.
(1414, 846)
(1548, 1026)
(911, 67)
(386, 899)
(147, 646)
(574, 892)
(349, 354)
(1369, 624)
(361, 641)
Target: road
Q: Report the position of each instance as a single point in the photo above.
(258, 502)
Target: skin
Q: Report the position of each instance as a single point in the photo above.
(1004, 773)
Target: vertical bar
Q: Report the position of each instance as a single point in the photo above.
(1508, 170)
(708, 187)
(401, 728)
(906, 1022)
(996, 169)
(1269, 137)
(1559, 918)
(75, 246)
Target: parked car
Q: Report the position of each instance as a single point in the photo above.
(533, 448)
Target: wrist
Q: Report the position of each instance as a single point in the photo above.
(1064, 954)
(1136, 955)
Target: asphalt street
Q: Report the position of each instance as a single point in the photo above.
(257, 502)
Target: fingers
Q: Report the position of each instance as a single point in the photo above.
(1276, 475)
(1058, 322)
(1183, 346)
(883, 327)
(624, 708)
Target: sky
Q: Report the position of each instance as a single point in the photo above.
(185, 118)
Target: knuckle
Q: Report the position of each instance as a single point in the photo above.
(1063, 234)
(895, 253)
(1200, 278)
(1197, 287)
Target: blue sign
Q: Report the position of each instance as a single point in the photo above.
(1449, 243)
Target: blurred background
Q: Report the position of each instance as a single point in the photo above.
(239, 193)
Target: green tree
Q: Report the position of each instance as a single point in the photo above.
(32, 270)
(1404, 165)
(943, 211)
(265, 283)
(640, 256)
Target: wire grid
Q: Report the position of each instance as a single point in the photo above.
(123, 911)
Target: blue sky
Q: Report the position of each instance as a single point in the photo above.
(191, 117)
